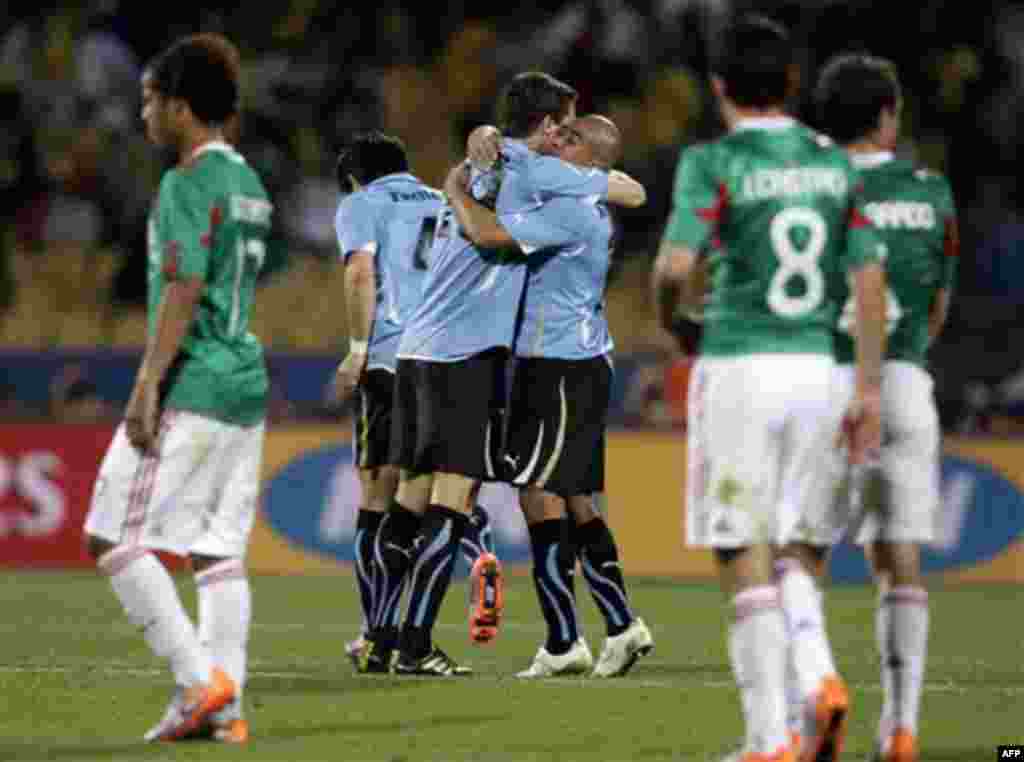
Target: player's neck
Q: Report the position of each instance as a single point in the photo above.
(734, 115)
(868, 145)
(195, 139)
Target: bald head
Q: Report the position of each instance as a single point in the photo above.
(603, 137)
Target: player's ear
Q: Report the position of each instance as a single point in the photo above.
(718, 86)
(793, 80)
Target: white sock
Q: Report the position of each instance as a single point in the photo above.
(150, 600)
(805, 625)
(225, 611)
(902, 631)
(757, 650)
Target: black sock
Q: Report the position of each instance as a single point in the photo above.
(600, 561)
(367, 525)
(438, 545)
(553, 568)
(478, 539)
(394, 554)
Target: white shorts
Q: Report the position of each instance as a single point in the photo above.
(761, 432)
(898, 500)
(197, 495)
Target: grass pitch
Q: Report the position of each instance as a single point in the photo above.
(77, 683)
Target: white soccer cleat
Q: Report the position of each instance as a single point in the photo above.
(575, 661)
(621, 652)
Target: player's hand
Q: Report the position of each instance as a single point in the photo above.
(141, 417)
(483, 146)
(862, 427)
(348, 375)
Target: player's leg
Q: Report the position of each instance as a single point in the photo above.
(554, 562)
(138, 507)
(218, 563)
(734, 446)
(378, 482)
(444, 524)
(627, 635)
(456, 425)
(901, 503)
(394, 549)
(810, 524)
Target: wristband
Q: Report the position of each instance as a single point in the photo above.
(357, 347)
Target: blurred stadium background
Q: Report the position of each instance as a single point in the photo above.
(77, 177)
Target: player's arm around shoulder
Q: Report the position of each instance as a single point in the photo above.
(478, 223)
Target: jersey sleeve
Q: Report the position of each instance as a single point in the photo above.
(864, 244)
(951, 237)
(190, 216)
(552, 177)
(551, 225)
(354, 226)
(699, 202)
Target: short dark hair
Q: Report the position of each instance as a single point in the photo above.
(530, 97)
(753, 58)
(369, 155)
(203, 70)
(851, 93)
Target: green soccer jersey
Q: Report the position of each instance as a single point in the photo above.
(776, 205)
(914, 214)
(211, 221)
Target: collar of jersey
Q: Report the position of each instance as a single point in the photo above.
(391, 178)
(764, 123)
(871, 160)
(210, 145)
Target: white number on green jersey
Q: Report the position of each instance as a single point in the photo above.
(250, 253)
(797, 262)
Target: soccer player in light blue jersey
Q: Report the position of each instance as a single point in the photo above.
(385, 227)
(560, 398)
(449, 385)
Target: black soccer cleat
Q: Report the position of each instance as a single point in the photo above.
(436, 663)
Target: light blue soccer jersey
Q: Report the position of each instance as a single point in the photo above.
(395, 216)
(563, 311)
(471, 296)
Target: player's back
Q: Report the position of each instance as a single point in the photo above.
(781, 214)
(398, 213)
(913, 212)
(212, 220)
(470, 295)
(563, 311)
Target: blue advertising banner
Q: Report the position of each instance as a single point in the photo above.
(312, 502)
(982, 513)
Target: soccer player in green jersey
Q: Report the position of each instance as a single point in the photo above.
(182, 474)
(763, 219)
(860, 103)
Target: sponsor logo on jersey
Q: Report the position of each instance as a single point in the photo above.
(313, 503)
(907, 215)
(980, 514)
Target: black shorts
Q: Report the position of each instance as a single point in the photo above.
(376, 396)
(447, 415)
(557, 424)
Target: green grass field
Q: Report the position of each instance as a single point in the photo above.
(77, 683)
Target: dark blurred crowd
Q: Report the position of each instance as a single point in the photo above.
(76, 173)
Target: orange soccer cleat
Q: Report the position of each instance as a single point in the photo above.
(233, 731)
(486, 598)
(192, 708)
(901, 746)
(831, 707)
